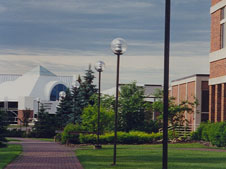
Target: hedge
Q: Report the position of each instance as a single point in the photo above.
(215, 133)
(133, 137)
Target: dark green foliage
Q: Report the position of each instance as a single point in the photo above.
(68, 137)
(132, 108)
(133, 137)
(64, 110)
(151, 126)
(3, 125)
(45, 126)
(15, 133)
(87, 88)
(212, 132)
(75, 116)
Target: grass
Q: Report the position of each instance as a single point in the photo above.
(7, 154)
(150, 157)
(11, 139)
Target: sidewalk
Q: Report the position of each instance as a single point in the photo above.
(45, 155)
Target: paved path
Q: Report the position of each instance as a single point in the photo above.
(45, 155)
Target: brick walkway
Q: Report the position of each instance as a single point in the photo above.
(45, 155)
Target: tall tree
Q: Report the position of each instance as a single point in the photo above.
(3, 125)
(75, 117)
(87, 88)
(45, 126)
(64, 110)
(132, 108)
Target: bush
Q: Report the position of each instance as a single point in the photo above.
(15, 133)
(212, 132)
(133, 137)
(66, 137)
(58, 137)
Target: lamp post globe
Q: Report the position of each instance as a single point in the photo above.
(99, 66)
(62, 94)
(76, 84)
(118, 47)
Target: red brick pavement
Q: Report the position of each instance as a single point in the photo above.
(45, 155)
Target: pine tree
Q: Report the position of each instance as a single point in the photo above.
(87, 88)
(64, 110)
(45, 126)
(76, 107)
(3, 125)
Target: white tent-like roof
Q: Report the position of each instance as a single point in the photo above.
(36, 83)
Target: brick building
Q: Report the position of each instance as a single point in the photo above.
(191, 88)
(217, 59)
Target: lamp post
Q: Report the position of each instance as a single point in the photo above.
(99, 68)
(166, 85)
(118, 46)
(75, 85)
(38, 101)
(62, 95)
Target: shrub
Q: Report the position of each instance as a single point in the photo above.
(133, 137)
(212, 132)
(58, 137)
(66, 137)
(15, 133)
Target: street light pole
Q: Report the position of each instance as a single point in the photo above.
(118, 47)
(99, 68)
(116, 109)
(166, 85)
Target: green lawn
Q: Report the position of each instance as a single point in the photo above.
(7, 154)
(150, 157)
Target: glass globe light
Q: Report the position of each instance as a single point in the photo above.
(118, 46)
(62, 94)
(76, 84)
(99, 66)
(38, 99)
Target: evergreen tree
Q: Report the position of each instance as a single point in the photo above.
(64, 110)
(87, 88)
(3, 125)
(76, 107)
(45, 126)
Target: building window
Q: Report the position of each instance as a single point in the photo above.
(56, 90)
(12, 104)
(204, 117)
(205, 101)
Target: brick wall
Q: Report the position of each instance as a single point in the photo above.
(182, 96)
(218, 68)
(215, 43)
(182, 89)
(20, 115)
(214, 2)
(175, 93)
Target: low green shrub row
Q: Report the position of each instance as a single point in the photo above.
(133, 137)
(15, 133)
(71, 135)
(215, 133)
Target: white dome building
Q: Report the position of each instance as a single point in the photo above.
(24, 92)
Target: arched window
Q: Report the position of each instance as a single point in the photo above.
(56, 90)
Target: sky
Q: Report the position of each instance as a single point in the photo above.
(65, 36)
